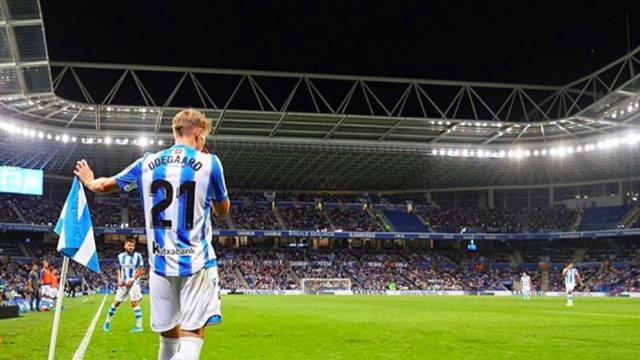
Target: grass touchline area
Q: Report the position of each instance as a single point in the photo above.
(356, 327)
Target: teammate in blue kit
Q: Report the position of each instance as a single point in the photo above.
(525, 285)
(180, 188)
(571, 276)
(130, 269)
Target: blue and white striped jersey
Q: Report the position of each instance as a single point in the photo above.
(129, 264)
(525, 282)
(570, 276)
(177, 187)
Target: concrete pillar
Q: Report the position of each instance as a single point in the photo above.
(552, 197)
(124, 216)
(490, 199)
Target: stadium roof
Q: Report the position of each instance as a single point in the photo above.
(310, 121)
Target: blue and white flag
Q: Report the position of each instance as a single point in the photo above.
(75, 229)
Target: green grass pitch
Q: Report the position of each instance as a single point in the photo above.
(357, 327)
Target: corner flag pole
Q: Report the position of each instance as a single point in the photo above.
(56, 316)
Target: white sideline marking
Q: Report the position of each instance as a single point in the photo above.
(79, 355)
(595, 314)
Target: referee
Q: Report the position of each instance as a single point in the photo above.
(34, 284)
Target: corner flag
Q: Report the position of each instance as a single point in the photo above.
(76, 242)
(75, 229)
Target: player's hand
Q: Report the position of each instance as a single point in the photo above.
(83, 172)
(119, 283)
(129, 283)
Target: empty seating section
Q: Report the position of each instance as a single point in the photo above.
(404, 221)
(599, 218)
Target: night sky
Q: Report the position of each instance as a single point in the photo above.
(482, 41)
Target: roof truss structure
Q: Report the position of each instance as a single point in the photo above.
(286, 130)
(114, 98)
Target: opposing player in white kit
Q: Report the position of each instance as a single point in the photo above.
(525, 285)
(180, 188)
(130, 269)
(570, 275)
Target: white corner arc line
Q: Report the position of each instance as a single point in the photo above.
(79, 355)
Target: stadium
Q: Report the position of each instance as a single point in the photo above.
(371, 216)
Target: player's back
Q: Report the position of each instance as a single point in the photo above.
(177, 187)
(569, 275)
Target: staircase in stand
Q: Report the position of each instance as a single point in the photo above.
(243, 281)
(16, 209)
(328, 218)
(630, 218)
(26, 251)
(516, 258)
(578, 255)
(425, 222)
(277, 213)
(379, 217)
(544, 280)
(578, 220)
(229, 221)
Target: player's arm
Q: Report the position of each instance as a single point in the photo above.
(221, 203)
(221, 209)
(138, 273)
(119, 277)
(101, 185)
(140, 269)
(579, 278)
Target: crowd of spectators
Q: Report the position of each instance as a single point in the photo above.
(268, 276)
(253, 216)
(13, 275)
(352, 219)
(610, 279)
(306, 218)
(136, 217)
(547, 254)
(106, 214)
(367, 270)
(281, 269)
(7, 214)
(501, 220)
(627, 254)
(38, 210)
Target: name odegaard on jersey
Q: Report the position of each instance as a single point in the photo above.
(157, 250)
(175, 160)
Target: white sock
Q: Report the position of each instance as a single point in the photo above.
(112, 311)
(137, 313)
(189, 349)
(168, 348)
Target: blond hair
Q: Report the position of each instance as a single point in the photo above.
(187, 120)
